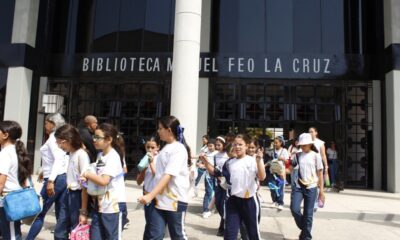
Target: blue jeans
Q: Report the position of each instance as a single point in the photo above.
(303, 220)
(70, 209)
(60, 188)
(106, 226)
(333, 168)
(148, 212)
(278, 194)
(200, 172)
(9, 230)
(124, 211)
(209, 191)
(174, 220)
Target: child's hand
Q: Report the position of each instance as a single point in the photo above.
(144, 199)
(260, 154)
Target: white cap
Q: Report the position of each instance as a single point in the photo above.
(305, 139)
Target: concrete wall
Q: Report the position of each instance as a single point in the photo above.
(25, 22)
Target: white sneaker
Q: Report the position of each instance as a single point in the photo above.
(206, 214)
(280, 207)
(274, 204)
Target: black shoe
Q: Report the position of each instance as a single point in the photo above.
(220, 233)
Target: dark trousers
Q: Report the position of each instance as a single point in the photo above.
(303, 220)
(70, 208)
(124, 211)
(174, 220)
(9, 230)
(60, 188)
(241, 209)
(148, 213)
(220, 197)
(106, 226)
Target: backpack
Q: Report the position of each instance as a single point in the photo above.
(80, 232)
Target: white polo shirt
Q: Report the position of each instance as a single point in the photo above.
(78, 162)
(243, 176)
(309, 163)
(54, 159)
(149, 182)
(173, 160)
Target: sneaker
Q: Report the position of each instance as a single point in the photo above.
(220, 233)
(280, 207)
(206, 214)
(126, 224)
(274, 204)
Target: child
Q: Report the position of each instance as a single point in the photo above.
(218, 162)
(277, 180)
(242, 174)
(76, 200)
(147, 175)
(172, 178)
(15, 169)
(209, 180)
(106, 218)
(310, 177)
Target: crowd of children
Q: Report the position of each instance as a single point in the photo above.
(234, 169)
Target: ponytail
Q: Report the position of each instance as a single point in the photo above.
(25, 166)
(117, 141)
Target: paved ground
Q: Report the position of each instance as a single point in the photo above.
(351, 214)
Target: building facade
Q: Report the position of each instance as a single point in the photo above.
(266, 68)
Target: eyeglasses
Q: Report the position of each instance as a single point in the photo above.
(97, 138)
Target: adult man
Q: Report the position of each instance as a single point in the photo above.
(86, 132)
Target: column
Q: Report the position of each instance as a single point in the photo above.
(392, 82)
(185, 74)
(377, 136)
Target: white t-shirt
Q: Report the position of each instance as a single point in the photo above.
(108, 203)
(78, 162)
(243, 176)
(309, 163)
(54, 159)
(318, 143)
(332, 154)
(220, 159)
(149, 182)
(9, 167)
(173, 160)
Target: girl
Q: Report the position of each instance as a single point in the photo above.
(208, 180)
(147, 175)
(76, 200)
(218, 162)
(309, 178)
(253, 146)
(200, 166)
(15, 169)
(54, 165)
(242, 174)
(172, 178)
(277, 180)
(106, 219)
(333, 162)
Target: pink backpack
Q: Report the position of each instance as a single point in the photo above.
(80, 232)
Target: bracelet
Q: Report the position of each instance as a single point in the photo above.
(83, 212)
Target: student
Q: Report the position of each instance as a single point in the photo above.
(200, 166)
(242, 174)
(333, 162)
(15, 169)
(172, 178)
(220, 192)
(209, 179)
(147, 176)
(76, 200)
(107, 217)
(277, 180)
(309, 178)
(54, 165)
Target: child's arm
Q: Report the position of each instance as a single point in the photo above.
(102, 180)
(208, 166)
(140, 176)
(260, 165)
(159, 187)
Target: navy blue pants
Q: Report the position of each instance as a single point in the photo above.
(220, 197)
(241, 209)
(174, 220)
(60, 188)
(148, 212)
(70, 208)
(124, 211)
(106, 226)
(9, 230)
(303, 220)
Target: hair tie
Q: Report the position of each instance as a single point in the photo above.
(179, 131)
(18, 140)
(221, 138)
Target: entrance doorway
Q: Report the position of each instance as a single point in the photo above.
(133, 106)
(265, 108)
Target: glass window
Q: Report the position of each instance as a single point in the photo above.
(106, 26)
(253, 92)
(332, 14)
(132, 23)
(3, 87)
(225, 92)
(6, 21)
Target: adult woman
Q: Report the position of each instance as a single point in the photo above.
(15, 169)
(309, 179)
(54, 165)
(333, 162)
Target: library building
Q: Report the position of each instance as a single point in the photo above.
(262, 67)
